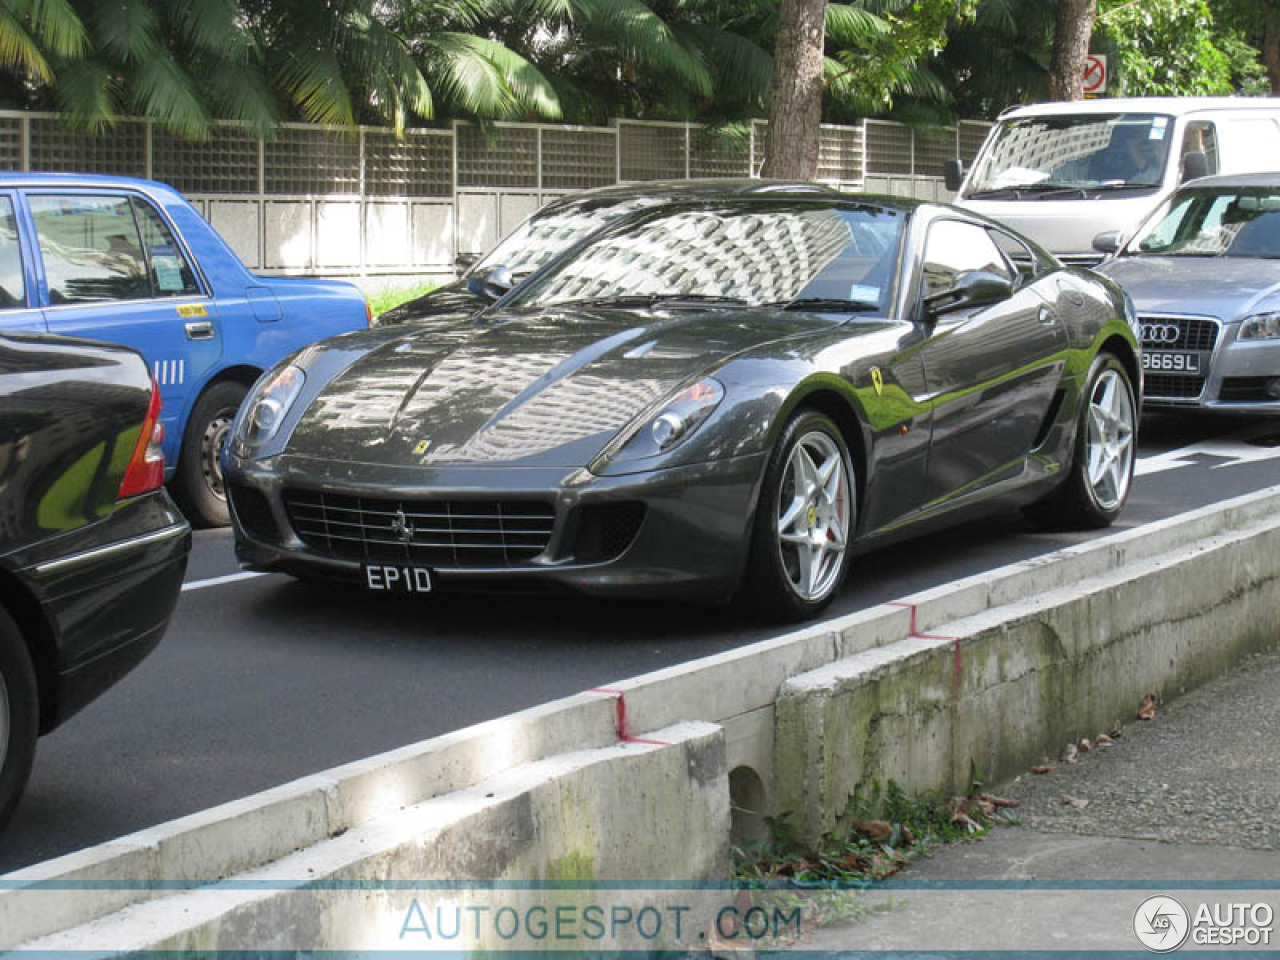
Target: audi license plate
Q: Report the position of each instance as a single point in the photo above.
(1170, 361)
(385, 578)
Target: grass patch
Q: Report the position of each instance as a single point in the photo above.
(392, 297)
(881, 832)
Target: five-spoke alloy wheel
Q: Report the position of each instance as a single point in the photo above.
(804, 520)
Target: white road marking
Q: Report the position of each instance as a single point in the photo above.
(229, 578)
(1233, 450)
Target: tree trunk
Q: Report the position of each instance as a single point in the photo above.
(795, 103)
(1072, 30)
(1271, 45)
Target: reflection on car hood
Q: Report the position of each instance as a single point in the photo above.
(1224, 287)
(542, 390)
(452, 298)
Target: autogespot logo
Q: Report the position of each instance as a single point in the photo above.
(1161, 923)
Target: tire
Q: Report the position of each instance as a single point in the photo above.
(19, 716)
(799, 541)
(198, 481)
(1103, 456)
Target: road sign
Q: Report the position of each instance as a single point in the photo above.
(1095, 74)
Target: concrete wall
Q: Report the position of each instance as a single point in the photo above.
(1000, 669)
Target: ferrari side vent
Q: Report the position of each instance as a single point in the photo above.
(1050, 416)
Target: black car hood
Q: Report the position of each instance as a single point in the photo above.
(529, 390)
(452, 298)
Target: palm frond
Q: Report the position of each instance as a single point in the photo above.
(468, 79)
(639, 35)
(19, 51)
(241, 94)
(86, 95)
(386, 68)
(742, 71)
(528, 86)
(58, 26)
(313, 81)
(211, 25)
(164, 92)
(126, 30)
(853, 25)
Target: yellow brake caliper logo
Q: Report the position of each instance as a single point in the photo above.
(877, 380)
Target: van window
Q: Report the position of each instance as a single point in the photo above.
(13, 290)
(170, 273)
(90, 247)
(1201, 136)
(954, 248)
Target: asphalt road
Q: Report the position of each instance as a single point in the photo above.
(261, 680)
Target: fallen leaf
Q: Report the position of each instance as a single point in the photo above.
(1070, 754)
(1147, 709)
(1076, 802)
(1084, 746)
(908, 837)
(997, 801)
(882, 867)
(964, 820)
(1043, 768)
(878, 831)
(1101, 740)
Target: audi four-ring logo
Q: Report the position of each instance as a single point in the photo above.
(1159, 333)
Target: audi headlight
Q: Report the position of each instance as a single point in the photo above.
(1260, 326)
(269, 406)
(678, 418)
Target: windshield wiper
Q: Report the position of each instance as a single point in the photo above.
(833, 304)
(995, 193)
(1105, 187)
(650, 300)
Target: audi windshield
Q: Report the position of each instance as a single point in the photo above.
(1208, 222)
(1066, 157)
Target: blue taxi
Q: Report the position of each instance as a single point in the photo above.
(132, 262)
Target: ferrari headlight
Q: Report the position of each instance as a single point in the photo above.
(1260, 326)
(269, 406)
(678, 418)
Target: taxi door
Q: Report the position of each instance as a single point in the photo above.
(112, 268)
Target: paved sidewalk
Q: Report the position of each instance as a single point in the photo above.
(1189, 802)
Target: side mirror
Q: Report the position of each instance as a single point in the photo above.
(973, 288)
(465, 261)
(1108, 242)
(1195, 164)
(494, 283)
(953, 175)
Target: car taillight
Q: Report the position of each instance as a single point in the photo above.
(146, 467)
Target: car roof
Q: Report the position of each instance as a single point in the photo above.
(713, 187)
(1176, 106)
(12, 179)
(1270, 179)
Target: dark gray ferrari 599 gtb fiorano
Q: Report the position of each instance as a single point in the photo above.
(729, 394)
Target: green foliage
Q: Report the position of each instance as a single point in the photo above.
(1165, 48)
(384, 300)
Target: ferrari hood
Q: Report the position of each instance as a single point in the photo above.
(544, 390)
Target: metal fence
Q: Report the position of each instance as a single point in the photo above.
(317, 199)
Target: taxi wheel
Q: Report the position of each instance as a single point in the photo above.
(19, 716)
(198, 483)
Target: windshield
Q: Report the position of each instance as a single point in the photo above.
(752, 254)
(1221, 222)
(548, 234)
(1074, 154)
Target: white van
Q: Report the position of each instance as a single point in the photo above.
(1063, 173)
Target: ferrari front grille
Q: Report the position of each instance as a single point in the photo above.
(432, 533)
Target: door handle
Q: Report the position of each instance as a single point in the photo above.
(199, 330)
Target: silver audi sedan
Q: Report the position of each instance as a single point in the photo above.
(1204, 274)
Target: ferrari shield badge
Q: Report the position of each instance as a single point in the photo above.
(877, 381)
(422, 447)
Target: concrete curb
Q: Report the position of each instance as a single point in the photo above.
(804, 673)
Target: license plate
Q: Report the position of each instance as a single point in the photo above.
(1170, 361)
(388, 578)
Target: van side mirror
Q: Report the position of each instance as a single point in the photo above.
(494, 283)
(1195, 164)
(973, 288)
(953, 175)
(1108, 242)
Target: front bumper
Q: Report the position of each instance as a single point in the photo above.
(691, 541)
(1237, 379)
(107, 591)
